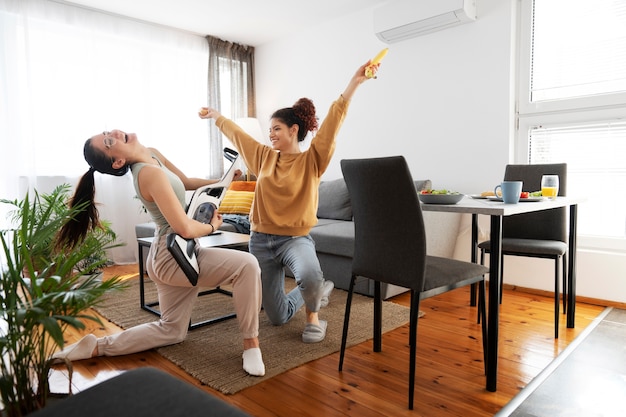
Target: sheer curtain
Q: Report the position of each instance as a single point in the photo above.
(67, 73)
(230, 90)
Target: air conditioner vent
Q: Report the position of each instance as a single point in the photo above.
(404, 19)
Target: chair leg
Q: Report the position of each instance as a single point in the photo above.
(415, 306)
(564, 276)
(346, 320)
(556, 298)
(483, 312)
(482, 262)
(378, 317)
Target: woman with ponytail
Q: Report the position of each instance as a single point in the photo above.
(161, 186)
(285, 203)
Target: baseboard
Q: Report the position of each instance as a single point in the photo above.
(586, 300)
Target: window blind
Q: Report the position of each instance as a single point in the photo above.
(578, 48)
(595, 169)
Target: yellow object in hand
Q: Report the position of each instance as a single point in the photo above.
(370, 70)
(380, 56)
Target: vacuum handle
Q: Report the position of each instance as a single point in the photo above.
(230, 154)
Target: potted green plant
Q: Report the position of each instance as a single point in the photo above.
(43, 292)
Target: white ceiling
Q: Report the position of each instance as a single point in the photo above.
(249, 22)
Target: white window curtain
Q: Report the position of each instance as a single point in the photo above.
(67, 73)
(572, 103)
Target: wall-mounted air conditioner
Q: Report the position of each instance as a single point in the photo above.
(398, 20)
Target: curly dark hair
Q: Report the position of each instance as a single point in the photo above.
(302, 113)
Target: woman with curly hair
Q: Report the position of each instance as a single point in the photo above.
(285, 203)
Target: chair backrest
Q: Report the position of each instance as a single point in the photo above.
(543, 225)
(390, 239)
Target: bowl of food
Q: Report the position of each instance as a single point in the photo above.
(439, 197)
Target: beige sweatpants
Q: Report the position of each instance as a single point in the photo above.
(218, 267)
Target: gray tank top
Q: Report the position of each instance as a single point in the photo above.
(162, 227)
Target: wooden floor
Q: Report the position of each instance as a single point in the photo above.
(450, 378)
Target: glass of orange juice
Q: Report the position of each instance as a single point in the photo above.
(550, 186)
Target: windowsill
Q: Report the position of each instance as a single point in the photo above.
(602, 244)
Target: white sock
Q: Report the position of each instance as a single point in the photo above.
(253, 362)
(82, 349)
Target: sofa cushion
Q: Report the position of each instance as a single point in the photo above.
(334, 200)
(242, 186)
(423, 185)
(336, 238)
(322, 222)
(236, 202)
(144, 229)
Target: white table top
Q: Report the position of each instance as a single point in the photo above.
(497, 208)
(221, 239)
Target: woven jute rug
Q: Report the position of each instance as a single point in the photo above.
(212, 354)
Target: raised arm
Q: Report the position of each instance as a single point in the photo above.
(357, 79)
(189, 182)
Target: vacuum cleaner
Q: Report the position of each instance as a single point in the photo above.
(204, 201)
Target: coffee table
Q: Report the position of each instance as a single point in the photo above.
(219, 239)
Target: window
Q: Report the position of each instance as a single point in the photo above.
(67, 73)
(231, 90)
(586, 56)
(75, 72)
(572, 106)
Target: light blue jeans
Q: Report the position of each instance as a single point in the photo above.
(274, 252)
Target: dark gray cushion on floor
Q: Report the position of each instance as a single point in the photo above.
(142, 392)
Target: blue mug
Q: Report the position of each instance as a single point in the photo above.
(510, 190)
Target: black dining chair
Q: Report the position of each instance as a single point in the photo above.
(540, 234)
(395, 252)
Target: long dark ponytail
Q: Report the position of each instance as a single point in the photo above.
(86, 217)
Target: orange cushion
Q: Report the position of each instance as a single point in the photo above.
(242, 185)
(236, 202)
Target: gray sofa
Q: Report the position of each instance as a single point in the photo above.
(334, 236)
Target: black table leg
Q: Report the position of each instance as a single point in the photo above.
(149, 306)
(142, 272)
(494, 303)
(571, 276)
(474, 256)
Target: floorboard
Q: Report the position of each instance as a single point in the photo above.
(450, 377)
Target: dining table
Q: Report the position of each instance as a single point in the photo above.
(496, 210)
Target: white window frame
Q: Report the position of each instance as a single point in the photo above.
(556, 113)
(525, 106)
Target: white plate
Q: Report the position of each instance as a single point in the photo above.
(521, 200)
(479, 197)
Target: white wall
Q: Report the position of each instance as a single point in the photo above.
(443, 100)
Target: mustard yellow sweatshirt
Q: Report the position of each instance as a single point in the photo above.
(286, 194)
